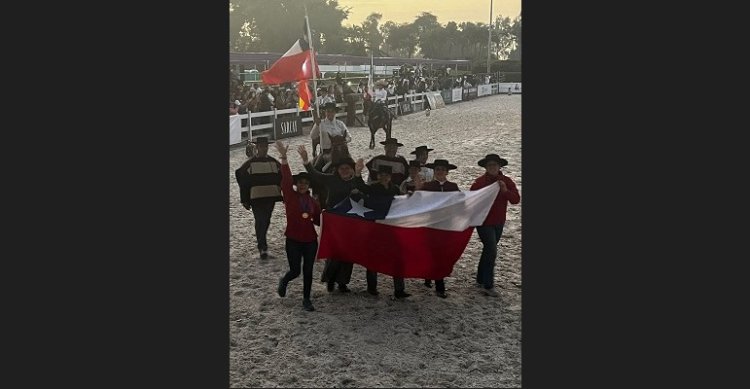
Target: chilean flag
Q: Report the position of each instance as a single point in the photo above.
(417, 236)
(294, 65)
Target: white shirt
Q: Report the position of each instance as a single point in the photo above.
(327, 99)
(381, 95)
(427, 173)
(328, 128)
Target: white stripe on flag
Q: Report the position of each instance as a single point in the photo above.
(450, 211)
(294, 50)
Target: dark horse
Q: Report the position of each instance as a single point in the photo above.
(380, 117)
(323, 163)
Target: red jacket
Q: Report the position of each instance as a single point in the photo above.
(500, 206)
(298, 228)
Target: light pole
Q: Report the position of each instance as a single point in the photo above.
(489, 39)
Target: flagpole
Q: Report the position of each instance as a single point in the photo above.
(312, 62)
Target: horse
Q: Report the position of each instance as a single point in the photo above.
(380, 117)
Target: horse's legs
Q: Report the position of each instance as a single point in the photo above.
(372, 138)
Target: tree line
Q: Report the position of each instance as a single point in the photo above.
(270, 26)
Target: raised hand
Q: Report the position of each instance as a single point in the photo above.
(359, 166)
(302, 153)
(503, 187)
(281, 148)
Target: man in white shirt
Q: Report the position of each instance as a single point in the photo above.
(326, 98)
(329, 127)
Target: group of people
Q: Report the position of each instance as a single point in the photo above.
(263, 181)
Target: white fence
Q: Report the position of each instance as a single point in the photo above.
(408, 104)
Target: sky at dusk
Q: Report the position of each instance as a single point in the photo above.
(402, 11)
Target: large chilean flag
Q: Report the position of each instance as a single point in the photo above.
(294, 65)
(421, 236)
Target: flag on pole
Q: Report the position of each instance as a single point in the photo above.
(304, 96)
(420, 236)
(294, 65)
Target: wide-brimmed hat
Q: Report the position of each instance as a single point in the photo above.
(330, 105)
(391, 141)
(493, 157)
(385, 169)
(301, 175)
(416, 164)
(421, 148)
(261, 140)
(345, 160)
(441, 162)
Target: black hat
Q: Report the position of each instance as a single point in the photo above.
(441, 162)
(346, 160)
(415, 164)
(261, 140)
(391, 141)
(304, 175)
(492, 157)
(330, 105)
(421, 148)
(385, 169)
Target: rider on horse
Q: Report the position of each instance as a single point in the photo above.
(380, 104)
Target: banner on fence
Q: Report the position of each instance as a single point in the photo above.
(494, 89)
(235, 129)
(484, 90)
(447, 95)
(406, 108)
(456, 94)
(515, 87)
(287, 127)
(439, 103)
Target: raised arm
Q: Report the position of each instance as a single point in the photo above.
(318, 176)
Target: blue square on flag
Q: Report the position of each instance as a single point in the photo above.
(372, 207)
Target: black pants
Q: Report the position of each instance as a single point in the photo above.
(372, 282)
(337, 271)
(297, 252)
(439, 285)
(262, 210)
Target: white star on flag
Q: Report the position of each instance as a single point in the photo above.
(358, 208)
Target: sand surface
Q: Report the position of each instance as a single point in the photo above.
(357, 340)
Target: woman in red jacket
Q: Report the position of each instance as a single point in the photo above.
(490, 231)
(302, 211)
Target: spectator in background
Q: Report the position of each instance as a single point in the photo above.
(232, 108)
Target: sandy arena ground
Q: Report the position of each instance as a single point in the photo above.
(357, 340)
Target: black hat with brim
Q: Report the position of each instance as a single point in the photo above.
(421, 148)
(330, 105)
(493, 157)
(302, 175)
(443, 163)
(391, 141)
(261, 140)
(341, 161)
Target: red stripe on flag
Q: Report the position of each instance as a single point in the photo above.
(288, 69)
(399, 252)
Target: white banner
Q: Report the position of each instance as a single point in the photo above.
(484, 90)
(456, 94)
(235, 129)
(515, 87)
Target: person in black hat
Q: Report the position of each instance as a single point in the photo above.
(421, 154)
(383, 187)
(399, 165)
(492, 228)
(340, 184)
(302, 211)
(259, 179)
(440, 183)
(329, 129)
